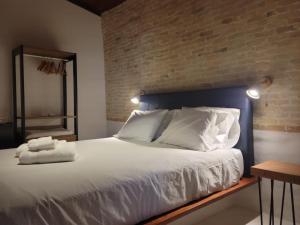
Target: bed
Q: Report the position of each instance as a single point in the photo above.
(115, 181)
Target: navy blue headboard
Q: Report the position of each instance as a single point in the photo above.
(232, 97)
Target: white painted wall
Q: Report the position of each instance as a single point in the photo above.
(56, 24)
(268, 145)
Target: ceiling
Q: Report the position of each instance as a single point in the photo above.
(97, 6)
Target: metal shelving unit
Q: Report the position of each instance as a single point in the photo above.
(25, 51)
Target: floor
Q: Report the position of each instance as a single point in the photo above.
(238, 216)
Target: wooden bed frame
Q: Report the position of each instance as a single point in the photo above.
(198, 204)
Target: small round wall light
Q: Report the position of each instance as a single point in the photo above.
(254, 90)
(253, 93)
(135, 100)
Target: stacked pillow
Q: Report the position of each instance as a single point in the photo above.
(190, 129)
(142, 125)
(200, 128)
(166, 121)
(227, 126)
(230, 117)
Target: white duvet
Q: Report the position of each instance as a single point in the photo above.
(112, 182)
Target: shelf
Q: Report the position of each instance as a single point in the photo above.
(44, 127)
(47, 53)
(18, 55)
(57, 133)
(46, 117)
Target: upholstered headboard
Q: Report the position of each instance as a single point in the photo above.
(232, 97)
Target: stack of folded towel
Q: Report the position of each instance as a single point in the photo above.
(46, 150)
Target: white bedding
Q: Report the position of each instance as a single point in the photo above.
(112, 182)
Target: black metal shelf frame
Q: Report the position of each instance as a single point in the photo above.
(28, 51)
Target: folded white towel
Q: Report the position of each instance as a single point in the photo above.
(64, 152)
(24, 147)
(21, 148)
(43, 143)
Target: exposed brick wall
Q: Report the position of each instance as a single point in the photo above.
(172, 45)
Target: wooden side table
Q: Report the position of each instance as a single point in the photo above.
(280, 171)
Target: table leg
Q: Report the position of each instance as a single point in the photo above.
(282, 203)
(260, 201)
(293, 207)
(271, 219)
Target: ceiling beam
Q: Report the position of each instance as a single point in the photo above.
(84, 5)
(97, 6)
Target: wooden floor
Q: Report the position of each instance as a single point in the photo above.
(186, 209)
(241, 216)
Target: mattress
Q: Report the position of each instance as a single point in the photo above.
(112, 182)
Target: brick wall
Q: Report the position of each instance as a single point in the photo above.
(173, 45)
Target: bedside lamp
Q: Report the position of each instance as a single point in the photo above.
(254, 91)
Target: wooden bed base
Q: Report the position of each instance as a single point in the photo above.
(190, 207)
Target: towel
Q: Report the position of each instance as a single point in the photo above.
(21, 148)
(43, 143)
(63, 152)
(24, 147)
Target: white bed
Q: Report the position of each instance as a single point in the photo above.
(112, 182)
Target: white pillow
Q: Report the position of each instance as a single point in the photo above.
(142, 125)
(189, 129)
(166, 121)
(235, 112)
(228, 125)
(235, 130)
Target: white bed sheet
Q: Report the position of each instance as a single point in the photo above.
(113, 182)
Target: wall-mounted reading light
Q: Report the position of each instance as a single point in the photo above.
(136, 99)
(254, 91)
